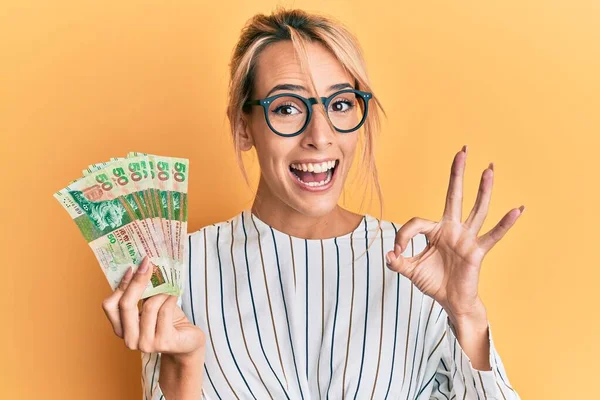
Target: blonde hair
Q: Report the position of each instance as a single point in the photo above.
(301, 28)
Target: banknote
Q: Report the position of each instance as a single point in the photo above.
(171, 184)
(134, 192)
(130, 207)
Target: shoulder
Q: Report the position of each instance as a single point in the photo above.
(213, 233)
(215, 226)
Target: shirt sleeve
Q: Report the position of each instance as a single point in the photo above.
(150, 372)
(456, 375)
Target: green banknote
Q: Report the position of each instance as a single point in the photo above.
(131, 207)
(171, 184)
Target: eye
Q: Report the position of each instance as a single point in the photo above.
(342, 105)
(286, 109)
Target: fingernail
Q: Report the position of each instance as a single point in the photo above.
(387, 259)
(128, 273)
(398, 247)
(143, 266)
(391, 256)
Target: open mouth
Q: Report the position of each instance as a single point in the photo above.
(314, 175)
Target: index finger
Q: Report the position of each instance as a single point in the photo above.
(110, 304)
(128, 303)
(139, 282)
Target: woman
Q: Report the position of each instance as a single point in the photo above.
(293, 299)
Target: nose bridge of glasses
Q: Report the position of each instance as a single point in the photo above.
(312, 101)
(316, 100)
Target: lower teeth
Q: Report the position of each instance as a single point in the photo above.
(317, 184)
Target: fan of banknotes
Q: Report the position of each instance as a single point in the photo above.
(131, 207)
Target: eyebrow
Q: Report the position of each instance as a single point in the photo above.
(297, 88)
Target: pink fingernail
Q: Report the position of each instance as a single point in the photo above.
(128, 273)
(143, 266)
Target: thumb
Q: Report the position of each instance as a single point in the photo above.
(397, 262)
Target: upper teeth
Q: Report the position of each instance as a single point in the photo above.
(322, 167)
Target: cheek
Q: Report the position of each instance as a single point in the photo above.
(349, 144)
(260, 138)
(273, 153)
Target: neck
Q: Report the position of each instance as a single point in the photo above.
(283, 217)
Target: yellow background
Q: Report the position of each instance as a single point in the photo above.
(518, 81)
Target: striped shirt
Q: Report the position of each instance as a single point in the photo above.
(293, 318)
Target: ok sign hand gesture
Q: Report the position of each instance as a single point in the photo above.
(448, 269)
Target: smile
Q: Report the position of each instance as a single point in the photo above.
(314, 176)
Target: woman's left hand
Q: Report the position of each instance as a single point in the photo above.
(448, 268)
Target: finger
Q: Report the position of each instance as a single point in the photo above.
(403, 265)
(453, 208)
(482, 203)
(394, 259)
(111, 304)
(487, 241)
(409, 230)
(164, 324)
(148, 319)
(128, 303)
(125, 281)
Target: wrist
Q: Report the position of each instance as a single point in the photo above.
(183, 360)
(181, 375)
(474, 320)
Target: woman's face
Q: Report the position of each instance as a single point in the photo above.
(286, 162)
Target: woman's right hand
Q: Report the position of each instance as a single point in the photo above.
(160, 327)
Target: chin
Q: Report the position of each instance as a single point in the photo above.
(316, 207)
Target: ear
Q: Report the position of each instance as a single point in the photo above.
(246, 140)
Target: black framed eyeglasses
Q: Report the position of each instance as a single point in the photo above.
(288, 114)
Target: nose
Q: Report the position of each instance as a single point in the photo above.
(318, 133)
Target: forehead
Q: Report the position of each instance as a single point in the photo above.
(279, 64)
